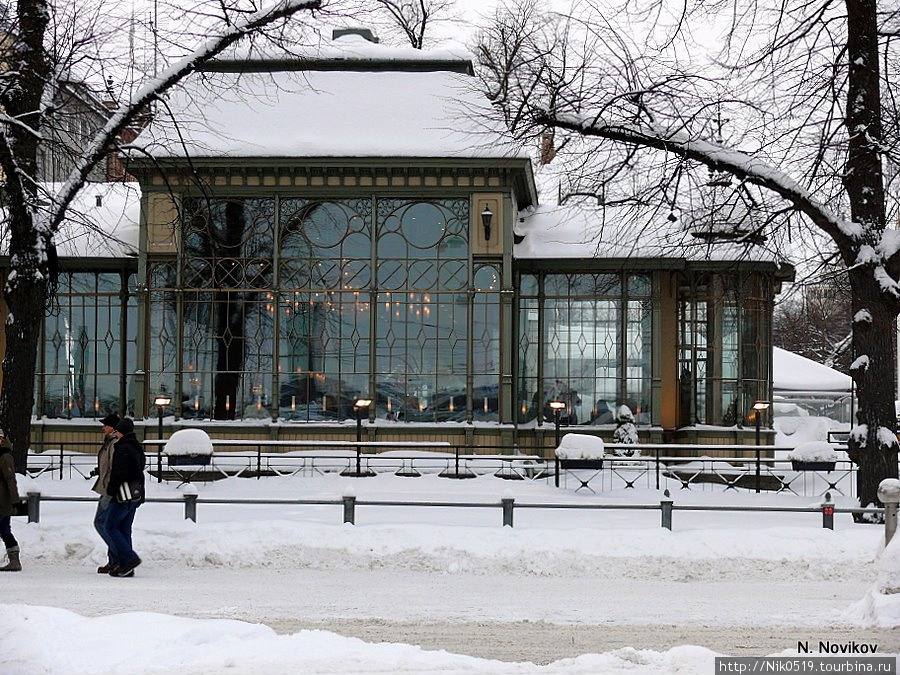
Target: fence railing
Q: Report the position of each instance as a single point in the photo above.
(658, 466)
(507, 505)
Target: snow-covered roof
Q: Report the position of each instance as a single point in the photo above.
(102, 222)
(577, 231)
(382, 112)
(793, 372)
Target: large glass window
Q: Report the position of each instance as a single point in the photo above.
(585, 340)
(325, 308)
(89, 345)
(722, 346)
(422, 310)
(323, 301)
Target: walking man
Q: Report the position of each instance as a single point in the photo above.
(126, 487)
(104, 467)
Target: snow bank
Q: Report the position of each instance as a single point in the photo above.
(545, 543)
(145, 643)
(881, 605)
(792, 431)
(580, 446)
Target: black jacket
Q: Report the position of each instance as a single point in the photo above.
(127, 463)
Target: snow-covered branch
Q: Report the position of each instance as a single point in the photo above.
(128, 112)
(718, 157)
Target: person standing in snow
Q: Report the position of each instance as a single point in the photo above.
(9, 497)
(127, 468)
(104, 467)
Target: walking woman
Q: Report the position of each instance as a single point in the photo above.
(104, 467)
(9, 497)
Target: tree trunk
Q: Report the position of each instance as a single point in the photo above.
(874, 453)
(25, 300)
(874, 446)
(30, 244)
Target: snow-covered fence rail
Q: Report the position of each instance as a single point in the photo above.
(507, 505)
(657, 466)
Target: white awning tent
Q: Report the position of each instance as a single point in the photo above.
(795, 373)
(804, 387)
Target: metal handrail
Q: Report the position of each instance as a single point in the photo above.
(666, 506)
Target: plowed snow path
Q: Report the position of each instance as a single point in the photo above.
(512, 618)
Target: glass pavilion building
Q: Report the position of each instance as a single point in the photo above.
(343, 226)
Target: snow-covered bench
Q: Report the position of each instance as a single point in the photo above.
(580, 452)
(188, 447)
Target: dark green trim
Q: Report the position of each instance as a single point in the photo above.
(452, 65)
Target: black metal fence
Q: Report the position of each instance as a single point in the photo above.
(658, 466)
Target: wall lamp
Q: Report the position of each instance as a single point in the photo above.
(487, 217)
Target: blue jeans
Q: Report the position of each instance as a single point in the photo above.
(6, 532)
(100, 526)
(119, 519)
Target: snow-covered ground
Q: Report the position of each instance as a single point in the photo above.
(283, 589)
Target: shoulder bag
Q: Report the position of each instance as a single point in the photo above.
(130, 491)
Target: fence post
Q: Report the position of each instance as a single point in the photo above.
(507, 504)
(556, 467)
(665, 509)
(259, 462)
(190, 506)
(349, 509)
(889, 495)
(828, 512)
(62, 456)
(34, 507)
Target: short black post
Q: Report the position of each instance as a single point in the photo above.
(507, 504)
(657, 468)
(358, 439)
(161, 401)
(556, 464)
(349, 509)
(258, 461)
(160, 410)
(757, 465)
(665, 508)
(62, 456)
(556, 423)
(34, 507)
(828, 512)
(190, 506)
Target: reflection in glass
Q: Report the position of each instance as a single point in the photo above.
(595, 341)
(81, 366)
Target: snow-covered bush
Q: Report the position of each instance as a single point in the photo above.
(189, 442)
(580, 446)
(625, 433)
(813, 451)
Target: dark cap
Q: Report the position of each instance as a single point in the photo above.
(125, 426)
(110, 420)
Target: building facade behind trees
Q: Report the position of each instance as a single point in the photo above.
(391, 252)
